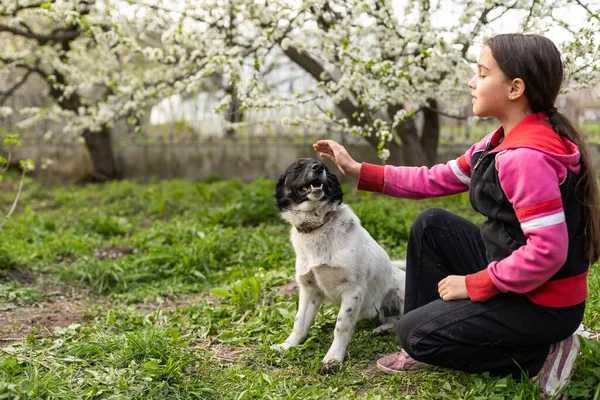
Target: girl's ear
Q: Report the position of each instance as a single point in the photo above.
(516, 89)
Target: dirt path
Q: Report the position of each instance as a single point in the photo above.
(61, 305)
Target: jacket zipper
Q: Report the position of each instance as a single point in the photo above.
(483, 155)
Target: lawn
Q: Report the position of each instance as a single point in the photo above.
(177, 290)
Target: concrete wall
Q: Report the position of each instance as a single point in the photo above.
(143, 162)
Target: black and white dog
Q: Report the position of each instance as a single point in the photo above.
(336, 260)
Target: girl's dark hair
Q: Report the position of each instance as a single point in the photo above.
(537, 61)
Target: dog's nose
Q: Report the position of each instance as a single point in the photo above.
(317, 167)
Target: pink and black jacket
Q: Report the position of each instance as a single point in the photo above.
(525, 184)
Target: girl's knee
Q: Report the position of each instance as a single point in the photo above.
(431, 217)
(406, 330)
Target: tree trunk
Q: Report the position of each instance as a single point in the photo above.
(396, 154)
(431, 132)
(99, 145)
(411, 150)
(411, 145)
(233, 113)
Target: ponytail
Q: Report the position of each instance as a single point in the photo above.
(587, 181)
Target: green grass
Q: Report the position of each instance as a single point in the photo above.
(16, 293)
(193, 311)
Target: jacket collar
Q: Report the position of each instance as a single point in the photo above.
(532, 131)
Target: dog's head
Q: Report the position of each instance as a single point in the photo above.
(307, 180)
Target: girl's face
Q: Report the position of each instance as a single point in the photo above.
(490, 88)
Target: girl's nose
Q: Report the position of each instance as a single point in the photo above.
(472, 82)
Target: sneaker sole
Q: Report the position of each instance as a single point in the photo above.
(415, 369)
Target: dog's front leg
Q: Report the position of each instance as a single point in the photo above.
(344, 327)
(308, 305)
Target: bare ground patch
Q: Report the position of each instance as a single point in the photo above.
(288, 289)
(234, 354)
(231, 354)
(171, 303)
(62, 305)
(113, 252)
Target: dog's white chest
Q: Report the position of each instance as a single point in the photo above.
(330, 281)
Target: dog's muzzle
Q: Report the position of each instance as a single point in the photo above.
(316, 193)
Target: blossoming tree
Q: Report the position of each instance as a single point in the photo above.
(101, 62)
(373, 66)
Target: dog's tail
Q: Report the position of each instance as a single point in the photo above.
(400, 264)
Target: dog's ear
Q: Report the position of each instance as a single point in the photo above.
(335, 188)
(281, 199)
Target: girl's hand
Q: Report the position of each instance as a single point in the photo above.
(338, 154)
(453, 287)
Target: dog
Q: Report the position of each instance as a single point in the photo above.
(336, 260)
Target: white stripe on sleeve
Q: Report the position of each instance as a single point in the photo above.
(459, 174)
(541, 222)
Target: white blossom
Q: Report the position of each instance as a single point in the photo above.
(374, 55)
(6, 111)
(384, 154)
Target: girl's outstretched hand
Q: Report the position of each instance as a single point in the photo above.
(453, 287)
(338, 154)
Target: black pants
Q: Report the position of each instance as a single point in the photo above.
(507, 334)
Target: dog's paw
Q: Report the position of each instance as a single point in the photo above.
(329, 367)
(280, 347)
(384, 329)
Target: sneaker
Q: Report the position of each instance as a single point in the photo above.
(558, 367)
(584, 332)
(401, 362)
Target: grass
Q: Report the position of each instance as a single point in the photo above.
(189, 303)
(16, 293)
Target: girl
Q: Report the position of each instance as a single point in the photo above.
(506, 297)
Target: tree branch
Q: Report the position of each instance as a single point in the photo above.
(42, 39)
(530, 14)
(483, 20)
(183, 13)
(459, 117)
(29, 6)
(8, 159)
(72, 103)
(24, 25)
(12, 209)
(156, 7)
(586, 8)
(564, 25)
(315, 69)
(347, 106)
(6, 94)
